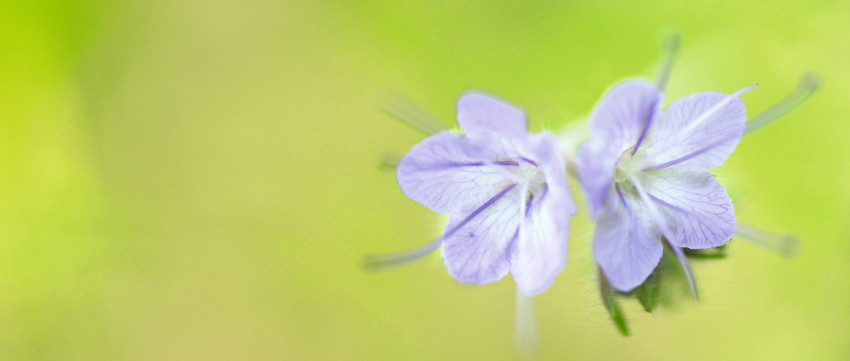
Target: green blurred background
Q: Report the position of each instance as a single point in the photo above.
(198, 180)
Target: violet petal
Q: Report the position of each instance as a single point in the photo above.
(484, 116)
(540, 251)
(479, 250)
(621, 117)
(698, 211)
(699, 129)
(444, 171)
(626, 248)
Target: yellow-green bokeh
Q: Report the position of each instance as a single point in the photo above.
(198, 180)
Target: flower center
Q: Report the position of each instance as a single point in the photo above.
(533, 177)
(624, 169)
(528, 172)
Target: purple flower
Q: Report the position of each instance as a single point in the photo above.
(646, 176)
(505, 190)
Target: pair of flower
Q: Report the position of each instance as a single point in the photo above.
(645, 174)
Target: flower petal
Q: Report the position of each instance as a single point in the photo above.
(595, 164)
(697, 132)
(620, 118)
(540, 251)
(625, 247)
(617, 124)
(445, 171)
(477, 250)
(697, 209)
(481, 115)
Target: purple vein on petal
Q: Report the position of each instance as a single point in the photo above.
(622, 199)
(478, 211)
(385, 261)
(665, 204)
(677, 160)
(544, 193)
(645, 128)
(452, 165)
(684, 158)
(529, 161)
(506, 162)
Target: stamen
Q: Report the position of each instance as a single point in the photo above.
(380, 262)
(784, 244)
(807, 85)
(525, 325)
(671, 46)
(407, 112)
(662, 225)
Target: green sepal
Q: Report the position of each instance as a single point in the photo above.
(648, 293)
(611, 304)
(708, 253)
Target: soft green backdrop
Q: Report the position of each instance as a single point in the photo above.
(197, 180)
